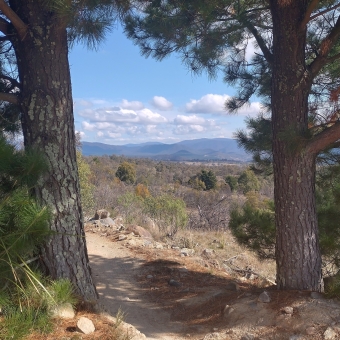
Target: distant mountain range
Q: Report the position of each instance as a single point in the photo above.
(189, 150)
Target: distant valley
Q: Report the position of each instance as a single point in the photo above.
(189, 150)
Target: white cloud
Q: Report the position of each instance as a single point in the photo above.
(122, 116)
(100, 134)
(193, 119)
(210, 103)
(134, 105)
(214, 104)
(161, 103)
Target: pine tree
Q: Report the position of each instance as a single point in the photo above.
(35, 35)
(296, 72)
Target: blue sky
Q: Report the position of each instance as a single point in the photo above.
(121, 97)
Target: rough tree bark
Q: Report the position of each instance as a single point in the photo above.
(297, 248)
(47, 120)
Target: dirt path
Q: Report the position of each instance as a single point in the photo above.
(114, 269)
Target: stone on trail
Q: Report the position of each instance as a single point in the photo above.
(85, 325)
(138, 230)
(287, 310)
(64, 311)
(330, 334)
(122, 237)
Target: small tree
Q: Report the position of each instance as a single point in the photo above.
(248, 182)
(126, 172)
(142, 190)
(209, 179)
(232, 182)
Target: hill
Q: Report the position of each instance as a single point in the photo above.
(188, 150)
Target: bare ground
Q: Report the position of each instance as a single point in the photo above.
(135, 279)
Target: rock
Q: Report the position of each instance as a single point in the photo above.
(228, 310)
(187, 251)
(107, 222)
(213, 336)
(209, 253)
(296, 337)
(264, 297)
(122, 237)
(287, 310)
(138, 230)
(232, 286)
(158, 245)
(248, 337)
(100, 214)
(183, 270)
(174, 283)
(330, 334)
(228, 269)
(310, 330)
(85, 325)
(64, 311)
(149, 276)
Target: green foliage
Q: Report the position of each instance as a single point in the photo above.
(232, 182)
(196, 183)
(168, 212)
(126, 172)
(248, 182)
(89, 20)
(23, 223)
(29, 308)
(254, 227)
(25, 296)
(204, 180)
(130, 206)
(86, 187)
(253, 224)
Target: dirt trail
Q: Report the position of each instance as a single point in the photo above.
(114, 268)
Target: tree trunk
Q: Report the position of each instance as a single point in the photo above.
(298, 255)
(47, 120)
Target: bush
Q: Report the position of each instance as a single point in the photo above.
(253, 226)
(126, 172)
(25, 296)
(168, 212)
(86, 187)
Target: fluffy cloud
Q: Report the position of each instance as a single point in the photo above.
(189, 120)
(210, 103)
(122, 116)
(161, 103)
(192, 125)
(134, 105)
(214, 104)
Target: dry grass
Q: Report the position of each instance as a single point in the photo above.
(66, 329)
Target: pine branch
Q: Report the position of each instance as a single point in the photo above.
(4, 26)
(9, 97)
(324, 12)
(260, 41)
(325, 48)
(309, 11)
(14, 82)
(322, 140)
(19, 25)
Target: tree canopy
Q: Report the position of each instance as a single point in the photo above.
(295, 72)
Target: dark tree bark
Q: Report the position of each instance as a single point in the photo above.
(47, 120)
(297, 248)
